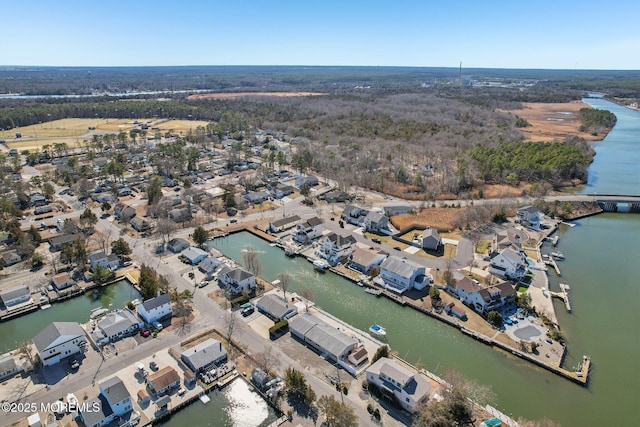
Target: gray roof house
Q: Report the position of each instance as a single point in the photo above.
(110, 262)
(116, 325)
(324, 338)
(400, 274)
(204, 355)
(15, 296)
(237, 279)
(283, 224)
(8, 367)
(117, 395)
(209, 265)
(11, 257)
(194, 255)
(155, 309)
(177, 245)
(374, 221)
(392, 379)
(96, 412)
(180, 214)
(276, 307)
(59, 340)
(59, 241)
(431, 239)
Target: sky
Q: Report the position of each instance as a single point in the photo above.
(558, 34)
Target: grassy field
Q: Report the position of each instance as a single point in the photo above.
(74, 131)
(438, 218)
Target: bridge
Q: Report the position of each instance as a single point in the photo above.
(616, 202)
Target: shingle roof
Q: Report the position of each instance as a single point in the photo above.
(54, 331)
(163, 378)
(204, 353)
(276, 306)
(284, 221)
(14, 293)
(95, 410)
(114, 390)
(400, 266)
(340, 240)
(333, 341)
(156, 302)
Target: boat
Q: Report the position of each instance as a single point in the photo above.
(72, 401)
(97, 312)
(373, 291)
(204, 398)
(320, 265)
(378, 330)
(557, 255)
(45, 306)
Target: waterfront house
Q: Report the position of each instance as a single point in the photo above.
(366, 260)
(96, 412)
(259, 378)
(352, 214)
(397, 383)
(110, 262)
(59, 340)
(16, 295)
(276, 307)
(283, 224)
(8, 367)
(508, 238)
(483, 300)
(374, 221)
(117, 395)
(193, 255)
(62, 281)
(209, 266)
(204, 356)
(309, 230)
(155, 309)
(177, 245)
(431, 239)
(237, 280)
(456, 311)
(180, 214)
(141, 224)
(326, 339)
(509, 264)
(529, 216)
(336, 248)
(163, 381)
(11, 257)
(116, 326)
(462, 285)
(400, 275)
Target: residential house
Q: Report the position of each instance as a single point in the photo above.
(103, 197)
(163, 381)
(116, 325)
(508, 238)
(56, 243)
(16, 295)
(276, 307)
(309, 230)
(96, 412)
(11, 257)
(8, 367)
(529, 216)
(117, 395)
(180, 214)
(280, 191)
(37, 199)
(259, 378)
(58, 341)
(400, 275)
(141, 224)
(110, 262)
(256, 196)
(509, 264)
(331, 342)
(209, 265)
(283, 224)
(40, 210)
(204, 356)
(374, 221)
(124, 192)
(194, 255)
(154, 309)
(484, 300)
(366, 260)
(456, 311)
(336, 247)
(462, 286)
(396, 382)
(177, 245)
(310, 180)
(237, 280)
(431, 239)
(352, 214)
(123, 211)
(62, 281)
(396, 210)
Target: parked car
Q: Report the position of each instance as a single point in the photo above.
(397, 248)
(157, 325)
(203, 284)
(376, 240)
(153, 365)
(247, 311)
(145, 333)
(75, 364)
(233, 221)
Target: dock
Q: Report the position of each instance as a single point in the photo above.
(373, 291)
(563, 295)
(552, 262)
(554, 240)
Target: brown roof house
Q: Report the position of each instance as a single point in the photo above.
(163, 381)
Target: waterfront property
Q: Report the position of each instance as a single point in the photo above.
(204, 356)
(209, 266)
(396, 383)
(529, 216)
(58, 341)
(309, 230)
(62, 281)
(283, 224)
(276, 307)
(482, 299)
(508, 238)
(110, 262)
(366, 260)
(8, 367)
(509, 264)
(154, 309)
(193, 255)
(336, 247)
(237, 280)
(15, 296)
(116, 326)
(113, 402)
(163, 381)
(400, 275)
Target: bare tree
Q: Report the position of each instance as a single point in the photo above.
(164, 228)
(252, 261)
(267, 360)
(285, 281)
(307, 295)
(230, 321)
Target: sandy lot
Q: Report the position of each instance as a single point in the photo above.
(241, 94)
(552, 122)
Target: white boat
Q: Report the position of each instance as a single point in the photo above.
(72, 401)
(320, 265)
(97, 312)
(378, 330)
(45, 306)
(204, 398)
(557, 255)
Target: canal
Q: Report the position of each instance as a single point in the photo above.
(16, 331)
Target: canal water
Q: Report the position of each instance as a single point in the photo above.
(16, 331)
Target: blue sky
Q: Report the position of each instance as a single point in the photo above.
(491, 34)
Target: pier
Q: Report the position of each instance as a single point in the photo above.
(552, 262)
(563, 295)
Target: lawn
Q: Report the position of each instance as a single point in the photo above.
(483, 246)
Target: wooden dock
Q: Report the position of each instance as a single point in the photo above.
(372, 291)
(552, 262)
(563, 295)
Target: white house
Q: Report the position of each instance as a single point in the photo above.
(400, 274)
(205, 355)
(276, 307)
(117, 395)
(237, 279)
(431, 239)
(110, 262)
(374, 221)
(365, 260)
(8, 366)
(484, 300)
(352, 214)
(409, 388)
(194, 255)
(155, 309)
(62, 281)
(58, 341)
(116, 325)
(509, 264)
(15, 296)
(530, 216)
(209, 265)
(335, 247)
(309, 230)
(283, 224)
